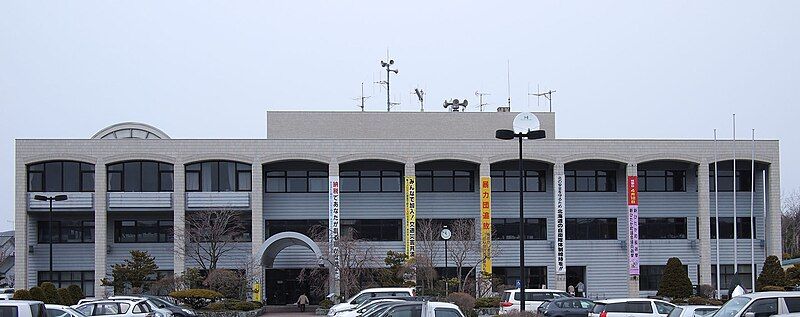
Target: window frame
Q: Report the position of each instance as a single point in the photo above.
(645, 227)
(742, 231)
(645, 175)
(741, 181)
(572, 175)
(452, 176)
(42, 225)
(160, 173)
(387, 228)
(499, 223)
(286, 177)
(84, 185)
(159, 231)
(190, 169)
(86, 278)
(384, 174)
(501, 177)
(594, 227)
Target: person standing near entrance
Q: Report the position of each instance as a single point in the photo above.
(302, 301)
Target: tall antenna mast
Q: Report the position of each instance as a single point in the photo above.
(362, 98)
(420, 94)
(547, 95)
(508, 82)
(480, 99)
(389, 71)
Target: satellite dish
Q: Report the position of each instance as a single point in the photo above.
(525, 122)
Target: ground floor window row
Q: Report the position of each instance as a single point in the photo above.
(84, 279)
(650, 276)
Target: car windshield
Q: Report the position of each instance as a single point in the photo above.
(675, 312)
(159, 301)
(732, 307)
(73, 311)
(377, 310)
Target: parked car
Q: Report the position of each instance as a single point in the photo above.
(156, 307)
(760, 304)
(368, 293)
(6, 293)
(379, 309)
(86, 300)
(565, 307)
(423, 309)
(631, 307)
(118, 308)
(54, 310)
(693, 311)
(366, 305)
(22, 308)
(176, 310)
(533, 298)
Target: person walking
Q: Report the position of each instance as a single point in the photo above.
(302, 301)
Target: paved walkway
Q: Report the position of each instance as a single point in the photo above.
(289, 311)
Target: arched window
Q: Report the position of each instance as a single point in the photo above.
(218, 176)
(140, 176)
(61, 176)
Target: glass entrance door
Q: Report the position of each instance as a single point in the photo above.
(576, 277)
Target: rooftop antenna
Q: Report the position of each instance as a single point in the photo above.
(480, 99)
(508, 82)
(456, 106)
(389, 71)
(362, 98)
(548, 95)
(420, 95)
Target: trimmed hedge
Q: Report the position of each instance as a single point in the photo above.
(325, 304)
(195, 297)
(22, 294)
(488, 302)
(234, 305)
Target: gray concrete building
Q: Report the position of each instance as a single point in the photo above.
(132, 187)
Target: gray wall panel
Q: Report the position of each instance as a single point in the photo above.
(284, 206)
(372, 205)
(448, 205)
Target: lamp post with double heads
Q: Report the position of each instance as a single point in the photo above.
(50, 224)
(521, 134)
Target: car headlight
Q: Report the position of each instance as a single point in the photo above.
(159, 314)
(188, 312)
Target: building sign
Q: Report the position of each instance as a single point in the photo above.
(558, 184)
(333, 225)
(411, 216)
(486, 223)
(633, 225)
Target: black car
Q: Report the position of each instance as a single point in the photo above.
(565, 307)
(176, 310)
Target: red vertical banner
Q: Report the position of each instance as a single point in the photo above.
(633, 190)
(633, 225)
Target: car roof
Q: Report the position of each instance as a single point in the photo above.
(443, 304)
(102, 301)
(387, 289)
(698, 306)
(623, 300)
(535, 290)
(17, 301)
(568, 298)
(758, 295)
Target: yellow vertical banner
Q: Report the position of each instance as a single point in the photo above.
(411, 216)
(486, 223)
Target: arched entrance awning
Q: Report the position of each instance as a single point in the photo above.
(275, 244)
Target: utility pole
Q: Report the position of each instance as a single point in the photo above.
(389, 71)
(480, 99)
(362, 98)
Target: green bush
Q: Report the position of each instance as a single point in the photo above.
(488, 302)
(50, 293)
(675, 282)
(75, 293)
(22, 294)
(38, 294)
(196, 298)
(64, 298)
(772, 288)
(697, 300)
(245, 306)
(216, 306)
(325, 304)
(772, 274)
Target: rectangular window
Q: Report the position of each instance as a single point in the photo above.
(72, 176)
(66, 231)
(590, 181)
(725, 180)
(536, 276)
(373, 229)
(508, 228)
(143, 231)
(309, 227)
(132, 176)
(662, 180)
(726, 227)
(650, 276)
(61, 176)
(370, 181)
(141, 176)
(63, 279)
(445, 181)
(591, 228)
(662, 228)
(727, 274)
(508, 181)
(218, 176)
(53, 177)
(296, 181)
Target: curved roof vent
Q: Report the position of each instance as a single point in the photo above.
(130, 130)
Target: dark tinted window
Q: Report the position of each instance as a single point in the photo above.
(508, 181)
(62, 279)
(446, 312)
(662, 181)
(143, 231)
(140, 176)
(61, 176)
(764, 307)
(617, 308)
(10, 311)
(288, 181)
(639, 307)
(662, 228)
(591, 228)
(373, 229)
(305, 227)
(406, 311)
(445, 181)
(218, 176)
(590, 180)
(726, 227)
(67, 231)
(793, 304)
(508, 228)
(725, 180)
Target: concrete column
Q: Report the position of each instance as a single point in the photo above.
(704, 222)
(21, 227)
(561, 279)
(334, 284)
(179, 217)
(773, 221)
(257, 214)
(633, 280)
(101, 268)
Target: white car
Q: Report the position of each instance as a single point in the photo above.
(423, 309)
(631, 307)
(6, 293)
(368, 293)
(693, 311)
(533, 298)
(22, 308)
(761, 304)
(153, 305)
(365, 306)
(118, 308)
(62, 311)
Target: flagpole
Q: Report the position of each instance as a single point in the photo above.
(716, 212)
(735, 233)
(752, 214)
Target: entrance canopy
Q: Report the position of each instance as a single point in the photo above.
(275, 244)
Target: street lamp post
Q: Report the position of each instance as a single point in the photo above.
(504, 134)
(50, 224)
(446, 234)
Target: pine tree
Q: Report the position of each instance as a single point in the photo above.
(133, 272)
(772, 274)
(675, 282)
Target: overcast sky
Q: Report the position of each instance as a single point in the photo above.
(622, 69)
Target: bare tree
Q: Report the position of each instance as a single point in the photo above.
(466, 251)
(209, 235)
(355, 257)
(427, 248)
(790, 223)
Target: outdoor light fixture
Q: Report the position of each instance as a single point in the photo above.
(526, 126)
(50, 223)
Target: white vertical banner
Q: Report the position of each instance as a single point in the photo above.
(333, 226)
(560, 224)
